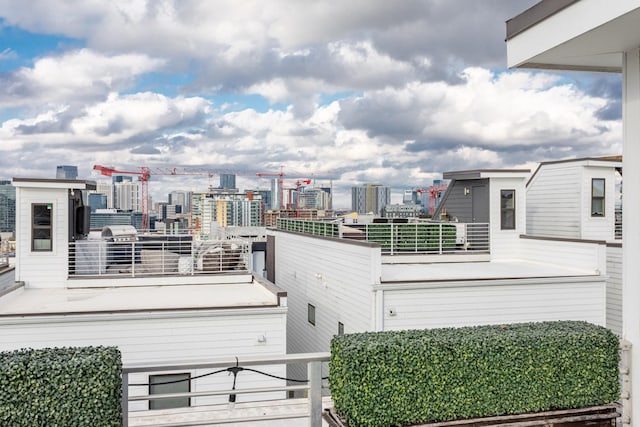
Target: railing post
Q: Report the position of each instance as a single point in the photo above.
(125, 399)
(440, 238)
(314, 371)
(133, 259)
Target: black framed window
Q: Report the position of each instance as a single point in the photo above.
(597, 197)
(507, 209)
(340, 328)
(41, 227)
(170, 383)
(311, 314)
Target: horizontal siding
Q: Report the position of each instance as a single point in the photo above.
(505, 244)
(579, 255)
(336, 277)
(43, 269)
(477, 305)
(598, 228)
(553, 203)
(614, 289)
(166, 340)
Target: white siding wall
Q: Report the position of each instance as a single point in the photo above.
(598, 228)
(579, 255)
(614, 289)
(166, 337)
(504, 243)
(42, 269)
(449, 305)
(553, 201)
(337, 277)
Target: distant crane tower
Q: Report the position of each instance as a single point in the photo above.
(435, 193)
(144, 173)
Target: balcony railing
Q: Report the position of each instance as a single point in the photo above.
(397, 238)
(618, 224)
(205, 415)
(141, 258)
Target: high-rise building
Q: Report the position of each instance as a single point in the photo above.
(315, 198)
(121, 178)
(97, 201)
(127, 196)
(227, 181)
(107, 189)
(224, 209)
(66, 172)
(370, 198)
(7, 207)
(181, 198)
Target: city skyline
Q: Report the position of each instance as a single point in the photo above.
(359, 93)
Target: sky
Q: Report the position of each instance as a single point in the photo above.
(346, 93)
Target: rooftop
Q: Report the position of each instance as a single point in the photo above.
(30, 302)
(488, 270)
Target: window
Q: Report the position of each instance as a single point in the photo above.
(507, 209)
(41, 227)
(340, 328)
(169, 383)
(311, 314)
(597, 197)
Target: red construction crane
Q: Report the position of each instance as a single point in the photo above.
(435, 192)
(144, 174)
(297, 190)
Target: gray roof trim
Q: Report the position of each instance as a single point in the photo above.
(477, 173)
(565, 67)
(534, 15)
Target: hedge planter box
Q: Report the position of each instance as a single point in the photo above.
(595, 416)
(495, 373)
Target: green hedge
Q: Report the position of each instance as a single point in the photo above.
(409, 377)
(61, 387)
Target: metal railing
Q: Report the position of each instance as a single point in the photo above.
(618, 224)
(91, 258)
(403, 238)
(312, 387)
(429, 237)
(316, 228)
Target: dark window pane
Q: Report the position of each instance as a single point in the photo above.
(156, 387)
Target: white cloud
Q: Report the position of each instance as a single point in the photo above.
(123, 116)
(77, 75)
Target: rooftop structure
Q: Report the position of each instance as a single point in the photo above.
(477, 267)
(596, 35)
(158, 298)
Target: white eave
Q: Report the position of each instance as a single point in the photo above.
(71, 184)
(587, 35)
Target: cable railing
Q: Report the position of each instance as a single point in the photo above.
(141, 258)
(191, 414)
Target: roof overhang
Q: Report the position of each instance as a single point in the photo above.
(487, 173)
(71, 184)
(584, 35)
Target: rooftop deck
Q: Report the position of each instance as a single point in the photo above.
(156, 256)
(424, 237)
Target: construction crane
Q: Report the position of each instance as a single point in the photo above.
(435, 193)
(144, 173)
(299, 184)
